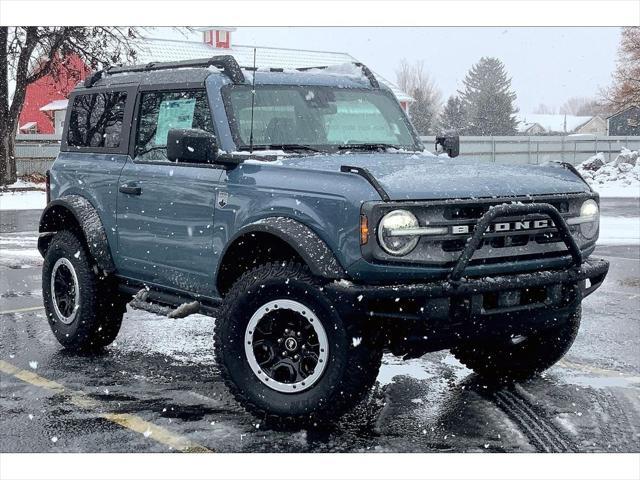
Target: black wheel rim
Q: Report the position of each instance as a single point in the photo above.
(64, 290)
(286, 346)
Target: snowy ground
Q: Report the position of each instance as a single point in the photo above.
(32, 200)
(162, 372)
(619, 231)
(618, 190)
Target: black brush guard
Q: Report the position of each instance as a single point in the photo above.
(505, 210)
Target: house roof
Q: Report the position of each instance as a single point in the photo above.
(161, 50)
(623, 110)
(55, 105)
(526, 126)
(554, 122)
(28, 125)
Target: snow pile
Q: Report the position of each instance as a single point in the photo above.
(619, 177)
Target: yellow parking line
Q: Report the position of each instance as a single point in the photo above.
(20, 310)
(157, 433)
(82, 400)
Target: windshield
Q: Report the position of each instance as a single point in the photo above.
(322, 118)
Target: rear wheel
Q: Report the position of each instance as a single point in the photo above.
(522, 356)
(84, 311)
(285, 353)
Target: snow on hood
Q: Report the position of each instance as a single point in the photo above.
(420, 176)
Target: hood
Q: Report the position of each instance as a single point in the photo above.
(422, 176)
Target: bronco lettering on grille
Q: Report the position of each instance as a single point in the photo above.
(506, 226)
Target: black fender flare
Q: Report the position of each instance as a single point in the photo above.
(307, 244)
(88, 219)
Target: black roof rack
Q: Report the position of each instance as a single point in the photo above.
(227, 63)
(365, 71)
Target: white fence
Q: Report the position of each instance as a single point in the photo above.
(539, 149)
(35, 153)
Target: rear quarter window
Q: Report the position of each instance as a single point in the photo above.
(96, 120)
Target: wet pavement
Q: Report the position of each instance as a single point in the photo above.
(157, 388)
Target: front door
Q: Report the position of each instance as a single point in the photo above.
(165, 209)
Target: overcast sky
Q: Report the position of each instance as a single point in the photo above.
(547, 64)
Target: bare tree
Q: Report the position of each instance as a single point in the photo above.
(625, 91)
(582, 106)
(427, 98)
(544, 109)
(28, 54)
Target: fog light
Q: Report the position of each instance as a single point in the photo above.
(509, 299)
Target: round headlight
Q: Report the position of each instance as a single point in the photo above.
(394, 232)
(589, 209)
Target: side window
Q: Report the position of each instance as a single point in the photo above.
(161, 111)
(96, 120)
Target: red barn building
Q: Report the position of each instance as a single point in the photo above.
(46, 99)
(45, 102)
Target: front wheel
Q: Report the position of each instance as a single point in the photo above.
(522, 356)
(286, 354)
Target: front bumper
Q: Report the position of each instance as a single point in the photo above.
(359, 297)
(418, 318)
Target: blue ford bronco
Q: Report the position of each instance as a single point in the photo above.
(299, 208)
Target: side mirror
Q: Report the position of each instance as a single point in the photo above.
(449, 145)
(191, 146)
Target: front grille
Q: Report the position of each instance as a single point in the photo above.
(517, 242)
(496, 245)
(506, 240)
(474, 212)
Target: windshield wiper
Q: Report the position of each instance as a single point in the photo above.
(367, 146)
(287, 147)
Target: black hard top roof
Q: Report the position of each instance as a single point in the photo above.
(195, 72)
(195, 76)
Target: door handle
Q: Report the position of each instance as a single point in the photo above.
(130, 189)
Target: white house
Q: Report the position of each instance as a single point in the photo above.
(530, 128)
(536, 124)
(56, 110)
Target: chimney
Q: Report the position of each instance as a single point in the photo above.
(217, 37)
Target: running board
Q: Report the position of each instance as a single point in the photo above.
(141, 301)
(166, 304)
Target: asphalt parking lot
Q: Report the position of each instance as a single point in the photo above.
(158, 389)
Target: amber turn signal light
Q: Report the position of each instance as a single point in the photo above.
(364, 229)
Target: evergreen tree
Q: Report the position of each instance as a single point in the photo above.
(452, 119)
(488, 100)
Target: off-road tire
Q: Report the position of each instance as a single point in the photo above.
(100, 307)
(503, 361)
(353, 360)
